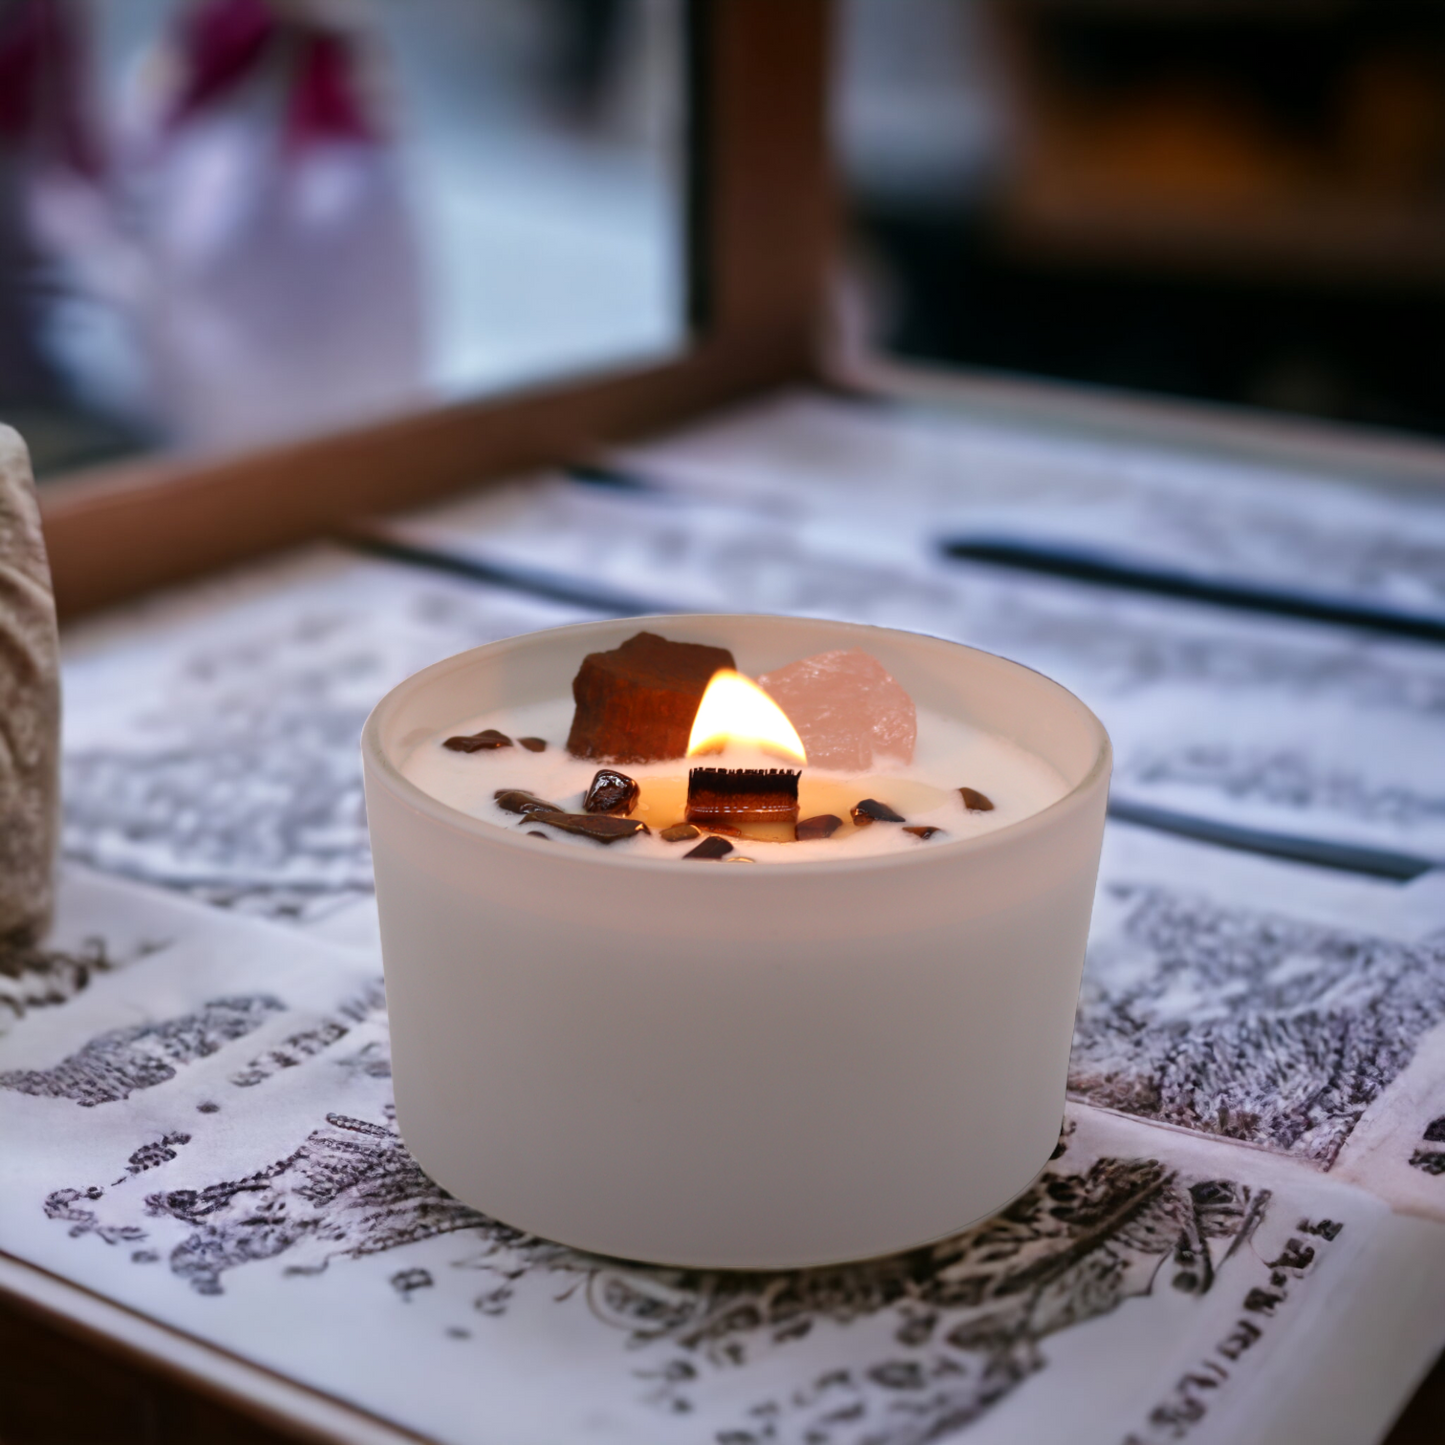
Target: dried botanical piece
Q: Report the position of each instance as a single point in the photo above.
(601, 826)
(519, 800)
(822, 826)
(611, 792)
(29, 705)
(712, 847)
(483, 741)
(870, 810)
(975, 801)
(636, 704)
(923, 831)
(679, 833)
(534, 745)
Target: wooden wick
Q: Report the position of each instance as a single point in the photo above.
(742, 795)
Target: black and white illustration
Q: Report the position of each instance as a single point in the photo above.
(1248, 1023)
(940, 473)
(86, 943)
(1279, 1005)
(218, 1159)
(215, 749)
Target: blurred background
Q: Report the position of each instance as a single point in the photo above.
(224, 222)
(1237, 200)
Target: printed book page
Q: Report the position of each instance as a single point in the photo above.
(202, 1129)
(949, 476)
(1242, 1234)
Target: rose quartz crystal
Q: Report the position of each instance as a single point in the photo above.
(846, 709)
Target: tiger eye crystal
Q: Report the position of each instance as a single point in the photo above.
(822, 826)
(870, 810)
(611, 792)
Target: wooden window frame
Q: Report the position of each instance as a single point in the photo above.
(759, 224)
(758, 231)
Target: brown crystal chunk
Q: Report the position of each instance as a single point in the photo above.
(923, 831)
(601, 826)
(534, 745)
(975, 801)
(636, 704)
(742, 795)
(480, 742)
(712, 847)
(679, 833)
(870, 810)
(823, 826)
(518, 800)
(611, 792)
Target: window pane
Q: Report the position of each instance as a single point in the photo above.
(233, 221)
(1240, 202)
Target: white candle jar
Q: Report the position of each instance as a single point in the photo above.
(733, 1067)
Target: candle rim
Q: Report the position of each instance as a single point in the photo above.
(389, 771)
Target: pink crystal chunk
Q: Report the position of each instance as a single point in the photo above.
(846, 709)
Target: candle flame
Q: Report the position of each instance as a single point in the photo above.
(734, 709)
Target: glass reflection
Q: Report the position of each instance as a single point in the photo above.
(226, 222)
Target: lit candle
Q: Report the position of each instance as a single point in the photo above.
(654, 1055)
(956, 781)
(735, 713)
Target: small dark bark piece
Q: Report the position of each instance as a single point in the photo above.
(534, 745)
(822, 826)
(870, 810)
(538, 833)
(480, 742)
(975, 801)
(679, 833)
(923, 831)
(636, 704)
(601, 826)
(519, 800)
(611, 792)
(712, 847)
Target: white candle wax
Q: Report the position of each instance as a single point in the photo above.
(950, 754)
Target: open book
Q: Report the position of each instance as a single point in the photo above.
(1241, 1236)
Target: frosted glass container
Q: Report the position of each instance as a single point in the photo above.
(758, 1067)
